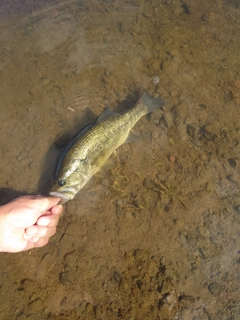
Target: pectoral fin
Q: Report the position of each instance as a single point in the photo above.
(132, 137)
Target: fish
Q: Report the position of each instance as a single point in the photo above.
(89, 150)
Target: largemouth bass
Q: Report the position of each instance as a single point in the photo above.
(88, 151)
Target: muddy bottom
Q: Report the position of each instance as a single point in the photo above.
(155, 234)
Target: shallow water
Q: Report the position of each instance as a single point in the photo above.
(155, 235)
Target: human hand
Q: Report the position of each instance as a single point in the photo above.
(28, 222)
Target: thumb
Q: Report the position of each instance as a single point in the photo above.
(27, 209)
(41, 203)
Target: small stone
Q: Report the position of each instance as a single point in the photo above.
(35, 306)
(168, 120)
(181, 111)
(203, 253)
(233, 163)
(179, 223)
(155, 80)
(171, 298)
(117, 276)
(71, 258)
(170, 273)
(186, 300)
(98, 312)
(204, 231)
(124, 286)
(210, 16)
(23, 155)
(166, 287)
(235, 84)
(31, 165)
(191, 130)
(172, 158)
(237, 207)
(214, 287)
(63, 278)
(228, 97)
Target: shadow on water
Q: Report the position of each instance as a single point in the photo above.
(8, 194)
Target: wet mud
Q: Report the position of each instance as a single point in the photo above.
(155, 234)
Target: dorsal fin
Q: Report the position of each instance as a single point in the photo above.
(106, 113)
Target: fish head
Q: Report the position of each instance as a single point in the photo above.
(70, 180)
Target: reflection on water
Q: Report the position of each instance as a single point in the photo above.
(155, 235)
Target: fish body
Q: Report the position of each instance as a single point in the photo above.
(94, 144)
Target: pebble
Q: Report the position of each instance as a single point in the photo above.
(63, 278)
(117, 276)
(202, 253)
(179, 223)
(186, 300)
(155, 80)
(166, 287)
(22, 155)
(233, 163)
(98, 312)
(35, 306)
(214, 287)
(237, 207)
(191, 130)
(181, 127)
(168, 120)
(31, 165)
(171, 297)
(181, 111)
(228, 97)
(172, 158)
(71, 258)
(204, 231)
(124, 286)
(209, 16)
(170, 273)
(235, 84)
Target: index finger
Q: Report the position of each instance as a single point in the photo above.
(42, 203)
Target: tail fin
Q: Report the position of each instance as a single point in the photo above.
(150, 103)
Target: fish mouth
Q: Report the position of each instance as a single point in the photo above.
(64, 198)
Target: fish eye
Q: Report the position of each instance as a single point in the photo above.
(61, 183)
